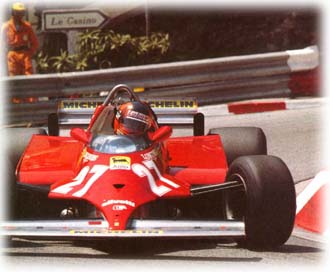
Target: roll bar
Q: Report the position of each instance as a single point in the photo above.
(116, 90)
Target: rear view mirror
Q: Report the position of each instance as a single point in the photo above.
(80, 135)
(161, 134)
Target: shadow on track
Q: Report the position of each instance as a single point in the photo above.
(146, 250)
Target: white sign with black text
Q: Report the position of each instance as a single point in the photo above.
(72, 19)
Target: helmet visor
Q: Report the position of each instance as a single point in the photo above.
(134, 126)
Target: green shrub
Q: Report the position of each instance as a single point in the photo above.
(99, 49)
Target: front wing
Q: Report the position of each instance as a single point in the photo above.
(98, 229)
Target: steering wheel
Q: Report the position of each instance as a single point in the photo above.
(115, 92)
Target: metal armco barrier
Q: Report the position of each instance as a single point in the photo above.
(211, 81)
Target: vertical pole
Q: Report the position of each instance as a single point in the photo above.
(147, 18)
(199, 124)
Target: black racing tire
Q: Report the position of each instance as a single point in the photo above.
(241, 141)
(16, 141)
(266, 202)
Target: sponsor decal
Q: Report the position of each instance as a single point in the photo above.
(119, 207)
(152, 155)
(108, 231)
(90, 157)
(118, 201)
(120, 163)
(138, 116)
(79, 104)
(188, 104)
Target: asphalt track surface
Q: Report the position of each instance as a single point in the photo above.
(294, 135)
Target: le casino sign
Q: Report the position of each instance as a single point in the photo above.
(72, 19)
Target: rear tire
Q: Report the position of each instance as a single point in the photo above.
(17, 139)
(241, 141)
(266, 201)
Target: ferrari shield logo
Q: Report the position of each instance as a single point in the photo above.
(120, 163)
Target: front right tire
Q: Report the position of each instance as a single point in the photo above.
(266, 201)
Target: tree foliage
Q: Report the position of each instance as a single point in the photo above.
(190, 34)
(200, 34)
(99, 49)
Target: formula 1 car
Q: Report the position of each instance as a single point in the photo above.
(94, 184)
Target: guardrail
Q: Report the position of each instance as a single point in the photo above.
(210, 81)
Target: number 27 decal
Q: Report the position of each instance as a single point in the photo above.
(98, 170)
(143, 171)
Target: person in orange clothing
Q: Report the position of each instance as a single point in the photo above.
(20, 41)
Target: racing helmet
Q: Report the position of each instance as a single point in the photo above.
(133, 118)
(18, 9)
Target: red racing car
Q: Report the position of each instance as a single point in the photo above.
(95, 184)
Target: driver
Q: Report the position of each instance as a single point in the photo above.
(134, 118)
